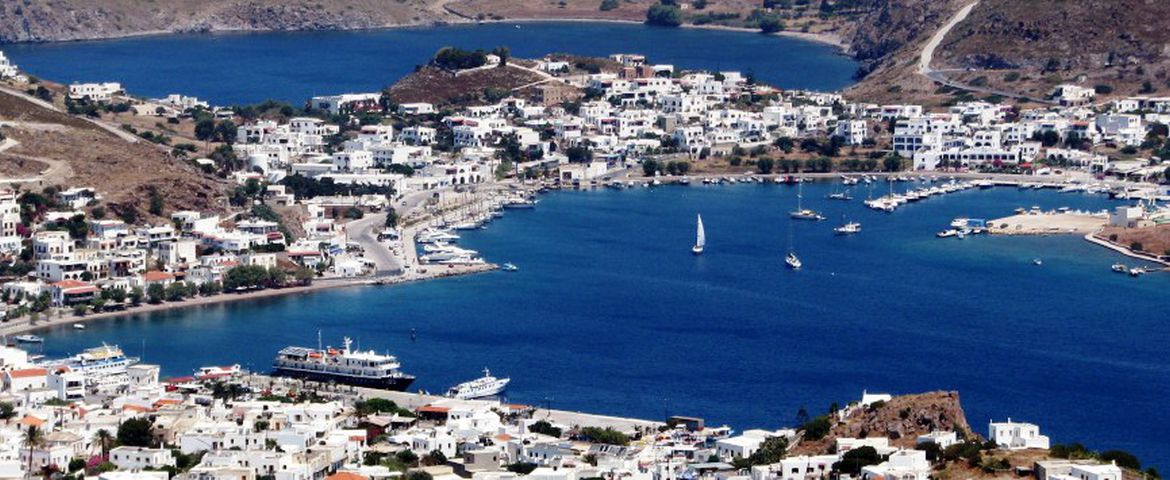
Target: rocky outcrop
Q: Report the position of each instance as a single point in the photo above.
(902, 420)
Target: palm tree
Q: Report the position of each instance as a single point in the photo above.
(104, 439)
(33, 438)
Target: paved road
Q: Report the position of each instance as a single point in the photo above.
(927, 57)
(362, 231)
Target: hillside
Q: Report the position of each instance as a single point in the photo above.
(902, 420)
(441, 88)
(58, 149)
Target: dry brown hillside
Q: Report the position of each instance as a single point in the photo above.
(901, 419)
(442, 88)
(63, 150)
(1119, 43)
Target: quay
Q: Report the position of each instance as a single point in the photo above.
(414, 401)
(1050, 223)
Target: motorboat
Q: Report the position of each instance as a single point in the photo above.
(509, 267)
(29, 339)
(485, 386)
(793, 261)
(950, 232)
(1120, 268)
(848, 229)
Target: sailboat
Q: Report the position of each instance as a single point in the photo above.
(700, 237)
(802, 213)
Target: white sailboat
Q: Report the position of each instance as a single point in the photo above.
(700, 238)
(802, 213)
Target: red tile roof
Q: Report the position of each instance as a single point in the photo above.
(28, 373)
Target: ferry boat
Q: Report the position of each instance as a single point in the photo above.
(104, 365)
(29, 339)
(485, 386)
(346, 366)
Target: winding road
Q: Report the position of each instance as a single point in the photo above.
(939, 76)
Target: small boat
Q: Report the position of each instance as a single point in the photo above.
(79, 326)
(839, 196)
(1120, 268)
(1037, 262)
(29, 339)
(1136, 271)
(960, 222)
(848, 228)
(508, 267)
(700, 237)
(217, 371)
(947, 233)
(792, 261)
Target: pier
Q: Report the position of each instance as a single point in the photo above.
(1048, 223)
(413, 401)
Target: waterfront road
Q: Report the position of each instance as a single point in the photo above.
(362, 231)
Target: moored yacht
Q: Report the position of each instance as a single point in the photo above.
(485, 386)
(848, 228)
(343, 365)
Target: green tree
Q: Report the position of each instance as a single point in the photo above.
(650, 167)
(892, 163)
(664, 15)
(544, 428)
(155, 293)
(817, 428)
(226, 131)
(391, 218)
(136, 295)
(579, 154)
(7, 411)
(104, 439)
(771, 24)
(33, 438)
(156, 202)
(853, 460)
(136, 432)
(205, 129)
(607, 5)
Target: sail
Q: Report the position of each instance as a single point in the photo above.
(701, 236)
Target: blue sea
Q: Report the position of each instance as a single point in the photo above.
(232, 68)
(611, 313)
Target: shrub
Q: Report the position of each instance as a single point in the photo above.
(607, 5)
(664, 15)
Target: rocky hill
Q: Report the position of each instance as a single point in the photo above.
(902, 420)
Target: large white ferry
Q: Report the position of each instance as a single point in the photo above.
(102, 365)
(361, 368)
(485, 386)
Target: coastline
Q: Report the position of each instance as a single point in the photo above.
(65, 317)
(822, 38)
(1092, 237)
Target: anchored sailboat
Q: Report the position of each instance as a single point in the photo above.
(700, 237)
(802, 213)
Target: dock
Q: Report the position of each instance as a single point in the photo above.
(1067, 223)
(413, 401)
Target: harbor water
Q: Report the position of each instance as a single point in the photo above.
(611, 313)
(232, 68)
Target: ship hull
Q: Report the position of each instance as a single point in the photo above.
(398, 384)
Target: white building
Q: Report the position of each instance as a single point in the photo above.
(97, 92)
(1016, 435)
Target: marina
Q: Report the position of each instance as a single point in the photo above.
(586, 255)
